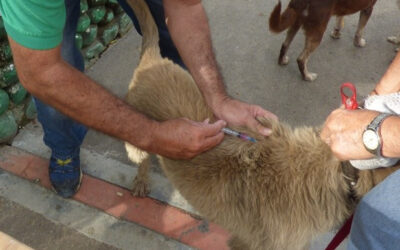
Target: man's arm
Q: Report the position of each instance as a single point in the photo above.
(45, 75)
(390, 82)
(188, 25)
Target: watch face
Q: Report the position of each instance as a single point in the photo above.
(370, 139)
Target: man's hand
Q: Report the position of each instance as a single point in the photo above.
(238, 113)
(343, 131)
(184, 139)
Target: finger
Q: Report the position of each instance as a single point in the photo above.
(213, 141)
(265, 113)
(258, 127)
(206, 121)
(214, 128)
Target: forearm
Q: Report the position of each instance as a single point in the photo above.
(390, 134)
(56, 83)
(188, 25)
(390, 82)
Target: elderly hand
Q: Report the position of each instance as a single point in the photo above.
(343, 131)
(238, 113)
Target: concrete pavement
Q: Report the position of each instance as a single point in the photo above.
(247, 53)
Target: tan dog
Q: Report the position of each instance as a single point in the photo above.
(313, 16)
(395, 39)
(277, 193)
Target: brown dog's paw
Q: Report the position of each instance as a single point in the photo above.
(283, 60)
(359, 42)
(310, 77)
(335, 34)
(140, 188)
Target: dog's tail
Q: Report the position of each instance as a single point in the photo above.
(150, 47)
(278, 22)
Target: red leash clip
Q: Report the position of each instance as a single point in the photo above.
(350, 102)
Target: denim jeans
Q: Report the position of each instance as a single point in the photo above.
(376, 223)
(63, 135)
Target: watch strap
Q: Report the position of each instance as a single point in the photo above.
(375, 126)
(377, 121)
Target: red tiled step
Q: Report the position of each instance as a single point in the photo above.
(116, 201)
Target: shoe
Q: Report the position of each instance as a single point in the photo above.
(65, 175)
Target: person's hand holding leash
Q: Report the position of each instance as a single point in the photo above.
(342, 132)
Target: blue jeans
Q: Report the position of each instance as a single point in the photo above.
(376, 223)
(63, 135)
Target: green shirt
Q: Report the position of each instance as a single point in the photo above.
(35, 24)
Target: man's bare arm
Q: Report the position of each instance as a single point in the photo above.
(49, 78)
(390, 82)
(188, 25)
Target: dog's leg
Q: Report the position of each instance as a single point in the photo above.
(141, 181)
(338, 27)
(291, 33)
(364, 16)
(312, 43)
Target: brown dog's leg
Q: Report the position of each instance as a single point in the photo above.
(141, 181)
(364, 16)
(312, 43)
(291, 33)
(335, 34)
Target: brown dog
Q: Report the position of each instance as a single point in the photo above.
(277, 193)
(313, 16)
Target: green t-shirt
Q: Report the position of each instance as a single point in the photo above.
(35, 24)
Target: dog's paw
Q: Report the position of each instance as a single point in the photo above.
(359, 42)
(310, 77)
(283, 60)
(393, 39)
(140, 188)
(335, 34)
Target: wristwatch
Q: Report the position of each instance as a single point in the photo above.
(372, 137)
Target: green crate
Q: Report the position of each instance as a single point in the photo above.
(109, 32)
(109, 16)
(89, 35)
(30, 109)
(96, 2)
(96, 14)
(79, 40)
(84, 6)
(8, 127)
(8, 75)
(17, 93)
(125, 23)
(4, 101)
(83, 23)
(5, 51)
(93, 50)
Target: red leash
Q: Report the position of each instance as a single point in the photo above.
(341, 235)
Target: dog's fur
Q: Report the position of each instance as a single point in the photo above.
(313, 16)
(277, 193)
(395, 39)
